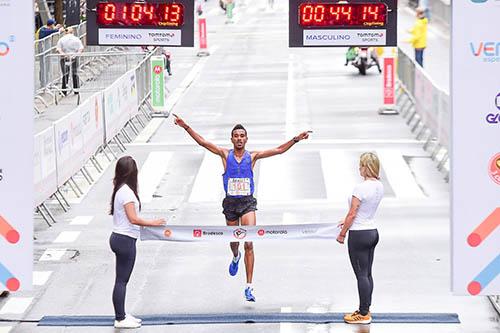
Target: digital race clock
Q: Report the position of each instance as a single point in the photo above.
(144, 23)
(140, 14)
(342, 23)
(342, 15)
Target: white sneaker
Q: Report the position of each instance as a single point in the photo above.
(127, 323)
(137, 320)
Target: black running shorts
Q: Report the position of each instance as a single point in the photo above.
(234, 208)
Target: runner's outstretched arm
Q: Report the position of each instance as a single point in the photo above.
(198, 138)
(282, 148)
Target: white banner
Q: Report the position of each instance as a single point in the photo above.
(475, 155)
(16, 144)
(120, 103)
(93, 124)
(359, 37)
(69, 145)
(45, 176)
(184, 233)
(159, 37)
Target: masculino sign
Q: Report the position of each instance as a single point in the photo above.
(343, 37)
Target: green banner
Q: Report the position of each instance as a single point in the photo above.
(157, 83)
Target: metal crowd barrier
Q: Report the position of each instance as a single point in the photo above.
(426, 109)
(71, 144)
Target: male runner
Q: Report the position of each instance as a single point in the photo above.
(239, 203)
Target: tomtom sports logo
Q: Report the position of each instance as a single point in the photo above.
(240, 233)
(197, 233)
(158, 69)
(494, 168)
(488, 51)
(167, 233)
(4, 49)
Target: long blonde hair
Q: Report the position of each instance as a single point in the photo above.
(371, 163)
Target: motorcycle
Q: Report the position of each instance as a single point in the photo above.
(362, 58)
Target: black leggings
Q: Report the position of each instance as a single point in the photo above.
(361, 246)
(124, 249)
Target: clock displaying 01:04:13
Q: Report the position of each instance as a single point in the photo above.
(140, 14)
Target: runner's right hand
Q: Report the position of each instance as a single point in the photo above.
(178, 121)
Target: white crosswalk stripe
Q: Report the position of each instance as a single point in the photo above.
(151, 173)
(280, 177)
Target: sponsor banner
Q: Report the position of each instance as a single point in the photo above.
(16, 144)
(182, 233)
(120, 104)
(389, 84)
(45, 176)
(69, 145)
(140, 37)
(202, 28)
(336, 37)
(93, 125)
(475, 154)
(158, 83)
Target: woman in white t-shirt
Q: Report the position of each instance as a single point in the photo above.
(363, 234)
(125, 204)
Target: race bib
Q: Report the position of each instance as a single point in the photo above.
(238, 186)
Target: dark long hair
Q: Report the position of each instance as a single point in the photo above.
(125, 173)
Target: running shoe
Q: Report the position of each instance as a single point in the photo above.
(249, 294)
(138, 320)
(357, 318)
(233, 266)
(127, 323)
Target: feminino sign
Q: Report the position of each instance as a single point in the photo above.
(139, 37)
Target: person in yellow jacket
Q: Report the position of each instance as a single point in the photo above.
(418, 37)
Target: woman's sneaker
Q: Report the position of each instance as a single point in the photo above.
(128, 322)
(249, 294)
(138, 320)
(233, 266)
(357, 318)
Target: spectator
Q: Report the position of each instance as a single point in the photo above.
(38, 18)
(68, 47)
(168, 60)
(419, 36)
(48, 29)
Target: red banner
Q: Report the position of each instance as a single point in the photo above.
(202, 28)
(389, 90)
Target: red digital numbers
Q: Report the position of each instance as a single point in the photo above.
(343, 15)
(140, 14)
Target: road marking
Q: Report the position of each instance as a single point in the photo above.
(5, 329)
(41, 277)
(290, 100)
(151, 173)
(286, 327)
(310, 141)
(275, 179)
(399, 174)
(81, 220)
(16, 305)
(67, 237)
(208, 183)
(52, 254)
(338, 174)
